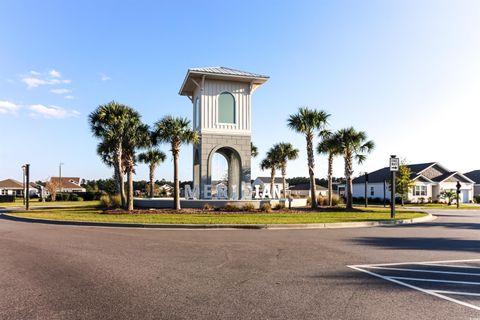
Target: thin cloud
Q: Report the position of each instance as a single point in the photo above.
(8, 107)
(104, 77)
(69, 97)
(60, 91)
(52, 112)
(36, 79)
(55, 74)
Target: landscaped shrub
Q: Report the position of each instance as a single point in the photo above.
(231, 207)
(249, 207)
(336, 200)
(110, 202)
(279, 206)
(477, 198)
(309, 201)
(206, 206)
(79, 199)
(73, 197)
(266, 207)
(322, 201)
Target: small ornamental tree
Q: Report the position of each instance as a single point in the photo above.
(403, 182)
(53, 186)
(449, 195)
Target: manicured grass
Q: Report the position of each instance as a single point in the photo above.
(94, 214)
(36, 203)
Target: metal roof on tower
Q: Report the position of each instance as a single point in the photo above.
(195, 75)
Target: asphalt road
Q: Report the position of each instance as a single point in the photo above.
(68, 272)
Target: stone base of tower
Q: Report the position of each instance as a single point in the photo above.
(237, 151)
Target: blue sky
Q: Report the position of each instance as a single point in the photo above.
(406, 72)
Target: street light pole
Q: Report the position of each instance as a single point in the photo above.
(27, 173)
(24, 189)
(60, 176)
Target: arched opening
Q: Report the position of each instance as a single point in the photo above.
(226, 108)
(225, 168)
(196, 168)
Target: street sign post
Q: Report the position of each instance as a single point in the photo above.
(394, 167)
(458, 194)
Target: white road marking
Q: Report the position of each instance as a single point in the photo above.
(461, 293)
(437, 293)
(426, 271)
(435, 280)
(448, 266)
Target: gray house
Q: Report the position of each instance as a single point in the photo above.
(475, 176)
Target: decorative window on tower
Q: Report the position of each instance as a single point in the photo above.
(226, 108)
(197, 113)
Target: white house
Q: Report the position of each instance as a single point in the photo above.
(13, 187)
(303, 190)
(475, 176)
(430, 179)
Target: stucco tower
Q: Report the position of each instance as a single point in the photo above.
(221, 99)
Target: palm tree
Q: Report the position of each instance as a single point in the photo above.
(284, 152)
(330, 145)
(270, 163)
(175, 131)
(137, 136)
(109, 122)
(353, 145)
(307, 121)
(152, 157)
(253, 150)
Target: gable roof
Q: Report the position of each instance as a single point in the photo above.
(11, 184)
(473, 175)
(220, 73)
(306, 186)
(269, 179)
(416, 173)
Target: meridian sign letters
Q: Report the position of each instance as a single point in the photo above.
(222, 192)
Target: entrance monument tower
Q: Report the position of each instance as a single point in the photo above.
(222, 115)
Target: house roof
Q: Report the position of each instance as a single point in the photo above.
(220, 73)
(306, 186)
(474, 175)
(269, 179)
(68, 182)
(11, 184)
(416, 170)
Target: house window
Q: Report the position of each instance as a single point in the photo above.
(197, 113)
(420, 191)
(372, 191)
(226, 108)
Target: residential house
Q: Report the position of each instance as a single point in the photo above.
(262, 181)
(68, 184)
(430, 179)
(303, 190)
(13, 187)
(475, 176)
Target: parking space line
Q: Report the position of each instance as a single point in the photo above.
(435, 280)
(430, 292)
(457, 293)
(421, 263)
(426, 271)
(448, 266)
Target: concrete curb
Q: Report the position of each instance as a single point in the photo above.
(337, 225)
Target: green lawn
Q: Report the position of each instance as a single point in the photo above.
(36, 203)
(94, 214)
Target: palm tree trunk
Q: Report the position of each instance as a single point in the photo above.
(311, 170)
(272, 183)
(330, 177)
(176, 188)
(348, 178)
(284, 182)
(120, 184)
(152, 172)
(130, 189)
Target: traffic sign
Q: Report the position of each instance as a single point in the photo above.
(394, 164)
